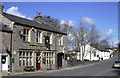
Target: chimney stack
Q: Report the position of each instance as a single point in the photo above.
(37, 14)
(1, 9)
(38, 17)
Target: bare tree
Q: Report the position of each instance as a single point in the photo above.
(85, 34)
(118, 46)
(81, 39)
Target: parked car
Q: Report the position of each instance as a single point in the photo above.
(86, 59)
(29, 68)
(116, 64)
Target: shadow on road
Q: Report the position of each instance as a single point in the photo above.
(116, 71)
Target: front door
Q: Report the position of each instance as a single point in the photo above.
(38, 61)
(59, 60)
(4, 62)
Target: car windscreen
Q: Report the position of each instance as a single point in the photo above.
(117, 61)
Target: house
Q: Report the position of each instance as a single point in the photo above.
(5, 47)
(33, 43)
(104, 54)
(93, 54)
(90, 53)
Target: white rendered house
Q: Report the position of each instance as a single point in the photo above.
(92, 54)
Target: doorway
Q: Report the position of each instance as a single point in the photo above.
(59, 60)
(38, 58)
(4, 62)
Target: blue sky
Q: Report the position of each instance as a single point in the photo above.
(105, 14)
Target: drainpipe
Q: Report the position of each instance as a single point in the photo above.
(11, 54)
(11, 46)
(56, 58)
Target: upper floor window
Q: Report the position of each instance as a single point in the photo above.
(38, 37)
(26, 35)
(60, 40)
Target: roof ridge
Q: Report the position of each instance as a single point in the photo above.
(20, 17)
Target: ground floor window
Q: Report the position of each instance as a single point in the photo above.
(48, 58)
(25, 58)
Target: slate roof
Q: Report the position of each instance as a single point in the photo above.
(31, 23)
(5, 28)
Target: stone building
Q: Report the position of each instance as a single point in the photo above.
(34, 43)
(5, 46)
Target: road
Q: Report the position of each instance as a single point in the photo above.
(102, 68)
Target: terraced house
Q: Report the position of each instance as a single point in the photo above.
(31, 43)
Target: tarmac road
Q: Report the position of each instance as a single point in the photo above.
(103, 68)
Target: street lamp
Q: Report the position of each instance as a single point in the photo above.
(14, 52)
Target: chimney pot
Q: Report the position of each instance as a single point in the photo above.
(48, 16)
(37, 13)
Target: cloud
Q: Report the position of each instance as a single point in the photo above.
(62, 22)
(69, 22)
(15, 11)
(110, 31)
(87, 20)
(116, 42)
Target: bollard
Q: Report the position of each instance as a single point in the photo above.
(48, 66)
(8, 73)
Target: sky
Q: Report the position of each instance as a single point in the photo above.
(103, 14)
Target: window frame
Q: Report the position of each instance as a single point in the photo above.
(60, 40)
(26, 35)
(38, 37)
(25, 60)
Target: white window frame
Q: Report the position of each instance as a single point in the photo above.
(25, 60)
(39, 37)
(60, 40)
(26, 35)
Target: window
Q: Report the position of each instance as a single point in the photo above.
(30, 53)
(25, 59)
(48, 58)
(20, 54)
(30, 61)
(27, 53)
(38, 37)
(3, 59)
(94, 54)
(20, 61)
(60, 40)
(26, 35)
(23, 53)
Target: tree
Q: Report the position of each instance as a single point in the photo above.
(81, 39)
(85, 34)
(56, 23)
(118, 46)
